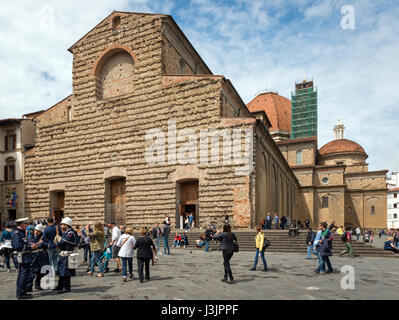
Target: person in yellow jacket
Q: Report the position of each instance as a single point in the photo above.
(340, 230)
(259, 240)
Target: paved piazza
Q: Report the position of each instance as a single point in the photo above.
(187, 274)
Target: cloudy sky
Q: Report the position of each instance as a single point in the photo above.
(257, 44)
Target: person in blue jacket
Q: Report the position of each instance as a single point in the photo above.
(66, 243)
(20, 243)
(6, 246)
(39, 258)
(49, 234)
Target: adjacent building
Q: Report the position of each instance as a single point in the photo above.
(16, 136)
(335, 182)
(393, 201)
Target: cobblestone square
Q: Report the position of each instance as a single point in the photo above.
(196, 275)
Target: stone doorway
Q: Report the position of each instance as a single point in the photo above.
(187, 202)
(57, 204)
(115, 206)
(12, 215)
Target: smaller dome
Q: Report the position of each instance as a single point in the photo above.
(341, 146)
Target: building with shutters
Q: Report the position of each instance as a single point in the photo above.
(16, 136)
(393, 201)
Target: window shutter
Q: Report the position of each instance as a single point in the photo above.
(14, 142)
(5, 173)
(6, 144)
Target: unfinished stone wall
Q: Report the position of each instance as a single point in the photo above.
(107, 135)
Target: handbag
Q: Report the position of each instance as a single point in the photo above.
(266, 243)
(236, 247)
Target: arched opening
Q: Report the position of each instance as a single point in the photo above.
(116, 23)
(114, 74)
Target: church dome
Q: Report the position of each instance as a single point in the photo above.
(277, 108)
(341, 146)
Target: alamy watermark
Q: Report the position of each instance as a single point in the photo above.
(348, 20)
(348, 280)
(186, 146)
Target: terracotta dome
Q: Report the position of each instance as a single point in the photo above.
(341, 146)
(277, 108)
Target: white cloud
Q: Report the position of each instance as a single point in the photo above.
(257, 44)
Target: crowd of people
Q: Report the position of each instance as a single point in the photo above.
(31, 246)
(282, 223)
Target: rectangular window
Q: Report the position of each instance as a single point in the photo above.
(11, 142)
(395, 215)
(372, 210)
(9, 173)
(395, 205)
(395, 195)
(324, 202)
(299, 157)
(69, 113)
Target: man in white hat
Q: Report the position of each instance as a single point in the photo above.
(66, 243)
(21, 244)
(39, 258)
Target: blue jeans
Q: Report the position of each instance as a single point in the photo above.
(86, 252)
(158, 243)
(310, 251)
(324, 260)
(53, 257)
(207, 246)
(125, 263)
(7, 255)
(176, 243)
(262, 255)
(95, 259)
(165, 244)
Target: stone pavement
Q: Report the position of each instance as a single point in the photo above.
(195, 275)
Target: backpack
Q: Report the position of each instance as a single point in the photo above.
(266, 243)
(343, 237)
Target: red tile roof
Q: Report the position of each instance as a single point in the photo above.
(277, 108)
(340, 145)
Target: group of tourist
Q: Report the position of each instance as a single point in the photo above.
(47, 244)
(282, 223)
(30, 246)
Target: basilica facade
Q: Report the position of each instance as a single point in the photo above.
(141, 91)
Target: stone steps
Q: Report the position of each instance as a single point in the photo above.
(281, 242)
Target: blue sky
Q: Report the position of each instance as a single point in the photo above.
(257, 44)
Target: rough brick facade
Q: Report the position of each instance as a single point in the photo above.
(129, 78)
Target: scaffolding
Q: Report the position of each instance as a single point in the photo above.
(303, 110)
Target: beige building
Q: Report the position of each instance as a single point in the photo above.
(16, 136)
(134, 73)
(140, 88)
(335, 182)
